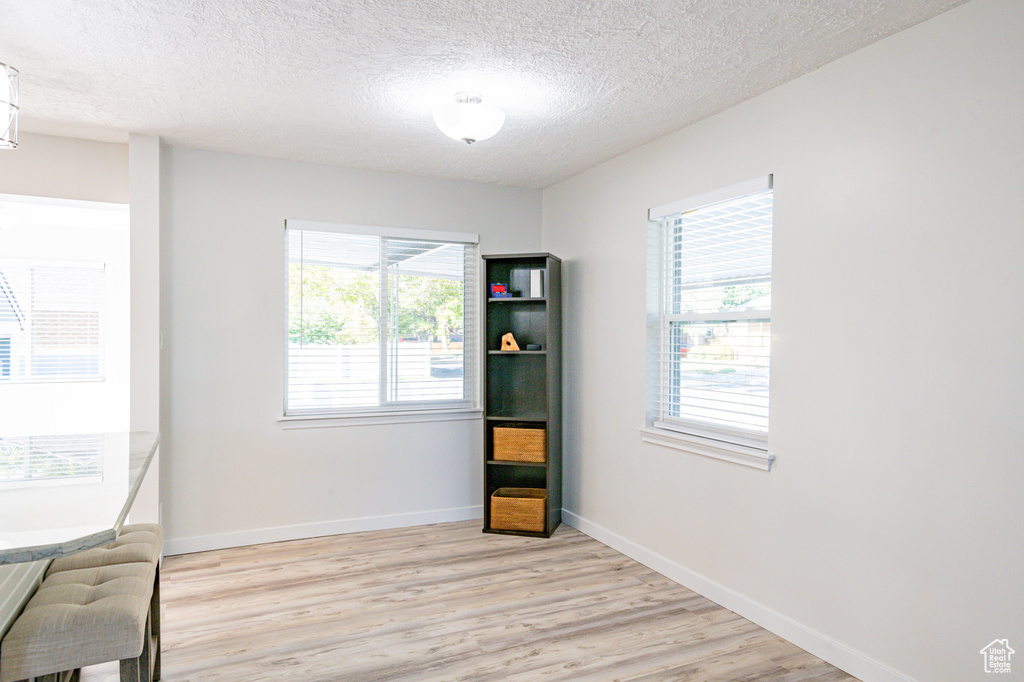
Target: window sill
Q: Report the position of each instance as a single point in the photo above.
(716, 449)
(309, 421)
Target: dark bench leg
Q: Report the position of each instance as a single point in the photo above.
(138, 669)
(154, 617)
(130, 670)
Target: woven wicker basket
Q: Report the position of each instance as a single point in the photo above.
(518, 509)
(518, 444)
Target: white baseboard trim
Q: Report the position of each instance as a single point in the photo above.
(844, 658)
(258, 536)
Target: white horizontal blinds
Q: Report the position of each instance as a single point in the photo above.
(47, 458)
(426, 300)
(333, 321)
(716, 317)
(377, 322)
(471, 312)
(51, 321)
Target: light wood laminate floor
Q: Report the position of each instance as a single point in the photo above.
(447, 602)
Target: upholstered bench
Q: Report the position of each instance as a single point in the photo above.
(83, 617)
(135, 542)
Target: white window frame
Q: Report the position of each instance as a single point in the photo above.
(426, 411)
(739, 446)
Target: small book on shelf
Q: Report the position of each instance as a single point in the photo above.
(536, 283)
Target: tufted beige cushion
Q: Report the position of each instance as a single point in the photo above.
(136, 542)
(79, 618)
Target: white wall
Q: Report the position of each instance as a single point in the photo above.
(65, 168)
(144, 186)
(230, 473)
(890, 526)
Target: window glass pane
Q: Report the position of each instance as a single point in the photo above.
(5, 357)
(426, 289)
(718, 373)
(50, 321)
(740, 295)
(720, 256)
(716, 315)
(333, 331)
(376, 321)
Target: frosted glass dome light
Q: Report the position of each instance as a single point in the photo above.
(468, 118)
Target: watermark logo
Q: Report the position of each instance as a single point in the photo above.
(997, 656)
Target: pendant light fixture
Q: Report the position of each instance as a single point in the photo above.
(468, 118)
(8, 107)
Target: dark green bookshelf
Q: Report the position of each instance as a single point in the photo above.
(524, 387)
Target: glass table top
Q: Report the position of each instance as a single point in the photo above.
(63, 494)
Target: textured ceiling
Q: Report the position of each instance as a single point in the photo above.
(353, 83)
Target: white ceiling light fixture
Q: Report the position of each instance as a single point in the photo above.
(9, 107)
(469, 119)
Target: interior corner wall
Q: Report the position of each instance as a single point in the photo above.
(230, 473)
(888, 534)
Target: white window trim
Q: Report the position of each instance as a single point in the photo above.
(713, 197)
(454, 410)
(390, 232)
(380, 417)
(746, 455)
(744, 449)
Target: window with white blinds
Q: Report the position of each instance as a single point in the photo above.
(51, 321)
(379, 320)
(50, 458)
(709, 337)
